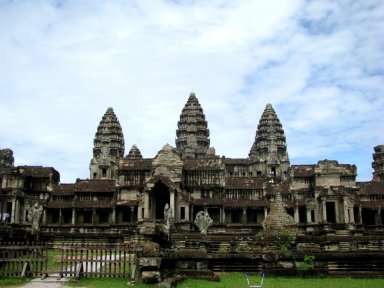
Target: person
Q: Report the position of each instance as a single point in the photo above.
(6, 217)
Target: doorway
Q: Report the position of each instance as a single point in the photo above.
(159, 199)
(331, 212)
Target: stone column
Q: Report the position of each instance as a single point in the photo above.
(73, 216)
(296, 214)
(172, 202)
(351, 216)
(132, 212)
(146, 205)
(324, 208)
(378, 217)
(224, 216)
(360, 215)
(187, 212)
(309, 219)
(244, 215)
(345, 207)
(93, 215)
(60, 216)
(140, 212)
(113, 215)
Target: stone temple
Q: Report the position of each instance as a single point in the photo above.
(131, 198)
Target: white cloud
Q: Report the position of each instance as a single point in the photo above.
(64, 63)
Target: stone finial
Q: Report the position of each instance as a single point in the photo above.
(278, 219)
(6, 158)
(203, 221)
(134, 153)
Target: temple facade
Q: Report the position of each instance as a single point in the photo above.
(125, 190)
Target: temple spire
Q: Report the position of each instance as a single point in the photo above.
(269, 148)
(108, 147)
(192, 135)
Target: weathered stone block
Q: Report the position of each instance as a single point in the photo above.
(151, 277)
(202, 265)
(185, 265)
(149, 262)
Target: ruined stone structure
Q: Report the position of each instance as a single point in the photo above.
(126, 194)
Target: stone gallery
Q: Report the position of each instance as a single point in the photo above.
(187, 198)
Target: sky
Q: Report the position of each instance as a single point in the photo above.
(63, 63)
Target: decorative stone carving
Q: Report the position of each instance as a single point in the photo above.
(168, 216)
(278, 219)
(34, 216)
(203, 221)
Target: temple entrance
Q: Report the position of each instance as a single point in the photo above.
(159, 199)
(331, 212)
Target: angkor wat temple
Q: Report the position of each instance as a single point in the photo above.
(131, 198)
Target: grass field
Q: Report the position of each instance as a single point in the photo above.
(234, 280)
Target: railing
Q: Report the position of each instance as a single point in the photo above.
(18, 259)
(98, 260)
(74, 260)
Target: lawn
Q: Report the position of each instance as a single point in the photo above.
(234, 280)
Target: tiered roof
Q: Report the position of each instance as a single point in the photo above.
(109, 139)
(192, 133)
(270, 138)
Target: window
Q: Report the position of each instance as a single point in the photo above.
(182, 213)
(312, 216)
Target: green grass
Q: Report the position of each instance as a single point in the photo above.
(54, 260)
(13, 281)
(232, 280)
(104, 282)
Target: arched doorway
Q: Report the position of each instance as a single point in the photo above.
(160, 197)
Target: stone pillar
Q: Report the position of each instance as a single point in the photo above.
(244, 215)
(146, 205)
(73, 216)
(351, 216)
(337, 212)
(187, 212)
(296, 214)
(265, 212)
(140, 212)
(345, 207)
(360, 215)
(132, 212)
(309, 218)
(172, 202)
(93, 215)
(113, 215)
(223, 215)
(324, 208)
(191, 214)
(60, 216)
(378, 217)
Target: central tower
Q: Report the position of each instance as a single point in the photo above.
(269, 151)
(192, 135)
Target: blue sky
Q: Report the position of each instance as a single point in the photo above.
(63, 63)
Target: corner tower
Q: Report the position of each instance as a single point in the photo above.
(108, 147)
(378, 163)
(269, 151)
(192, 135)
